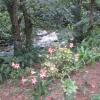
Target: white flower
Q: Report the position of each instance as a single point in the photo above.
(77, 57)
(33, 72)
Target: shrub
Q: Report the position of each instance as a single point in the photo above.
(28, 59)
(40, 83)
(69, 88)
(87, 55)
(93, 40)
(60, 62)
(95, 97)
(5, 71)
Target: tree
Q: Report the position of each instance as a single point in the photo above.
(12, 10)
(28, 26)
(13, 7)
(91, 16)
(51, 15)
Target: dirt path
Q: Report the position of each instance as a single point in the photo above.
(87, 80)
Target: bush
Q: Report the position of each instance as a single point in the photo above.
(5, 25)
(93, 41)
(28, 59)
(15, 74)
(87, 55)
(5, 71)
(95, 97)
(69, 86)
(8, 72)
(61, 62)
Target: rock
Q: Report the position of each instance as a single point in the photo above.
(45, 39)
(8, 51)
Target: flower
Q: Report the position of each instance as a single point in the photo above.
(93, 86)
(72, 39)
(50, 50)
(49, 98)
(41, 98)
(43, 73)
(23, 80)
(34, 81)
(33, 72)
(52, 68)
(77, 57)
(71, 45)
(15, 66)
(12, 64)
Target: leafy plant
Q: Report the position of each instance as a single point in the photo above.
(5, 71)
(40, 82)
(28, 59)
(69, 88)
(87, 55)
(95, 97)
(5, 25)
(15, 74)
(8, 72)
(93, 40)
(61, 62)
(41, 89)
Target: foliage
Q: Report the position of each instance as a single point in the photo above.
(69, 16)
(8, 72)
(87, 55)
(95, 97)
(59, 61)
(69, 86)
(5, 71)
(16, 74)
(93, 40)
(39, 81)
(28, 59)
(5, 25)
(41, 89)
(89, 48)
(57, 14)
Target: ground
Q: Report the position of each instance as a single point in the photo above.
(87, 80)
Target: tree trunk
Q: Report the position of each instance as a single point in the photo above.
(28, 32)
(12, 10)
(28, 27)
(92, 2)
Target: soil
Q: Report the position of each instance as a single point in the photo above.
(87, 80)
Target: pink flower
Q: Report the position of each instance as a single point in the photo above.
(43, 73)
(93, 84)
(41, 98)
(34, 81)
(23, 80)
(15, 66)
(71, 45)
(49, 98)
(50, 50)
